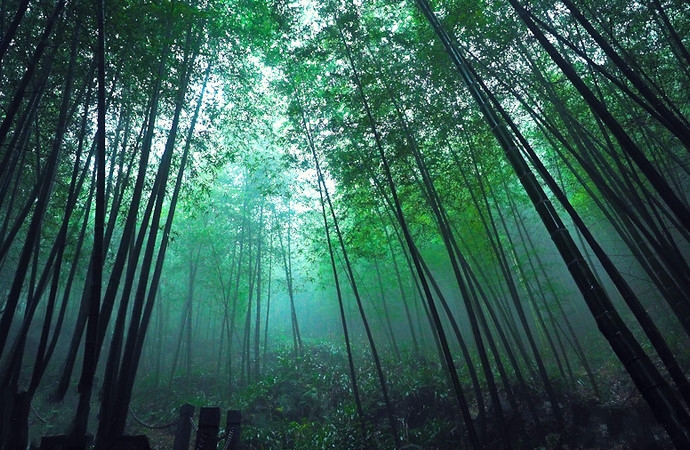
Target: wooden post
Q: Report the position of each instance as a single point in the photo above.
(184, 427)
(232, 429)
(207, 434)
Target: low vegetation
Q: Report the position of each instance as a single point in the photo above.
(305, 402)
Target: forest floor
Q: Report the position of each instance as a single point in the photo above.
(306, 403)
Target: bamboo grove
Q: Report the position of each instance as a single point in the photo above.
(499, 187)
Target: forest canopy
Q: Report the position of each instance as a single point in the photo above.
(417, 224)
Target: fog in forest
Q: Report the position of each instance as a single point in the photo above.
(344, 225)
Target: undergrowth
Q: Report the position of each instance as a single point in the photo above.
(305, 401)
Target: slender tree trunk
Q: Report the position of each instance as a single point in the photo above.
(401, 288)
(268, 299)
(287, 265)
(386, 312)
(245, 363)
(257, 323)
